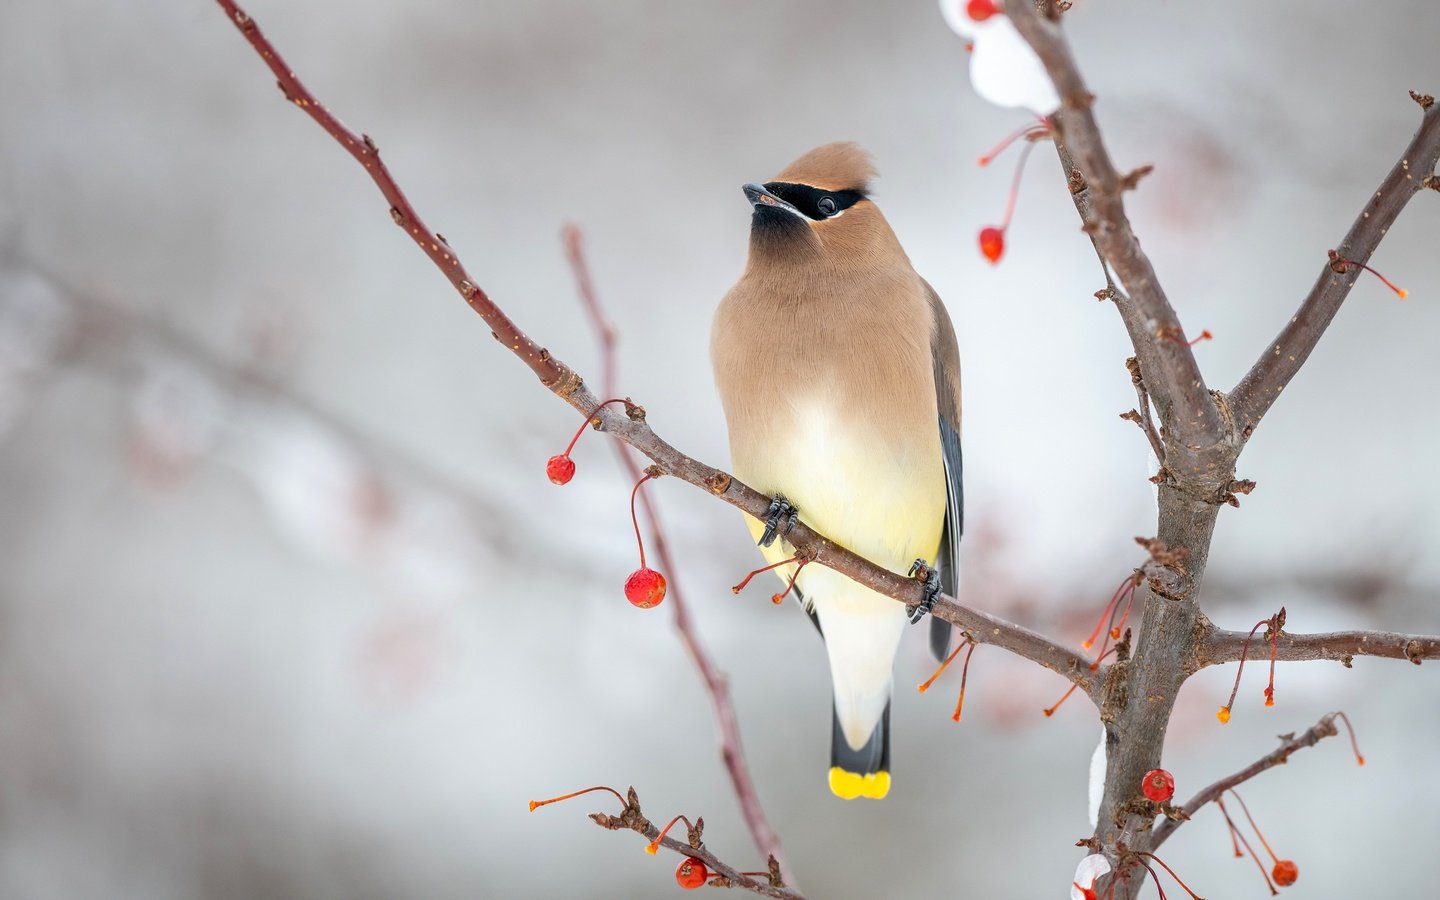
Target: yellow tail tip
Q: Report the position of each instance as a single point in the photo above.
(849, 785)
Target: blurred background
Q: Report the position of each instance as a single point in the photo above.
(288, 608)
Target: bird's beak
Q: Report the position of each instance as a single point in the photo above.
(759, 198)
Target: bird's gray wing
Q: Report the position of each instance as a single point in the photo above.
(945, 354)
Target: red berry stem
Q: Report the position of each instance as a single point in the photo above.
(654, 845)
(1039, 131)
(649, 474)
(536, 804)
(1154, 878)
(964, 640)
(1050, 710)
(1224, 714)
(1015, 185)
(1251, 819)
(779, 598)
(1354, 745)
(1339, 263)
(964, 676)
(590, 418)
(1275, 624)
(1172, 874)
(1235, 832)
(560, 468)
(735, 589)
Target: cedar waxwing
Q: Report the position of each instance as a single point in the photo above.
(839, 372)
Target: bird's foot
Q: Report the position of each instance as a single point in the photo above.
(923, 571)
(779, 520)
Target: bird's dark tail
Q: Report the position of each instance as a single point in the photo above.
(864, 772)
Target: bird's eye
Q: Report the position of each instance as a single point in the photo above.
(826, 206)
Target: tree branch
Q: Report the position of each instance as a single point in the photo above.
(732, 752)
(1097, 188)
(1260, 387)
(565, 383)
(1278, 757)
(630, 817)
(1225, 646)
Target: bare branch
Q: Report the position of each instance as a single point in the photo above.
(1142, 415)
(630, 817)
(716, 684)
(567, 384)
(1278, 757)
(1260, 387)
(1097, 189)
(1225, 646)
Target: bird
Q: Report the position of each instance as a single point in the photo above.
(838, 370)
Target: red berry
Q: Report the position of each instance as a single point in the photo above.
(645, 588)
(691, 873)
(560, 468)
(1158, 785)
(980, 10)
(992, 243)
(1286, 872)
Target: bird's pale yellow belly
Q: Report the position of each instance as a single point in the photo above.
(880, 494)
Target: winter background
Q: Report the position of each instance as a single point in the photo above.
(289, 610)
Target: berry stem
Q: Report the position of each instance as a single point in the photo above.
(1015, 185)
(1224, 714)
(536, 804)
(1038, 130)
(1337, 258)
(649, 474)
(1235, 832)
(588, 419)
(779, 598)
(1354, 745)
(1251, 819)
(1105, 616)
(1155, 878)
(1050, 710)
(654, 845)
(1274, 647)
(964, 676)
(1172, 874)
(735, 589)
(965, 639)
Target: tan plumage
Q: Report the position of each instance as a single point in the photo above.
(836, 363)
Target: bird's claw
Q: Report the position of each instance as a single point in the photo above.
(780, 511)
(922, 570)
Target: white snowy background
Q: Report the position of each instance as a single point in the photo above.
(289, 610)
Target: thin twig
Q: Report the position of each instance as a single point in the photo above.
(565, 383)
(1260, 387)
(1222, 646)
(1279, 756)
(732, 751)
(631, 817)
(1146, 422)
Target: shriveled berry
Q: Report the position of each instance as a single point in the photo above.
(992, 243)
(645, 588)
(691, 873)
(1158, 785)
(1285, 872)
(560, 469)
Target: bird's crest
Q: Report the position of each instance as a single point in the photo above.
(842, 166)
